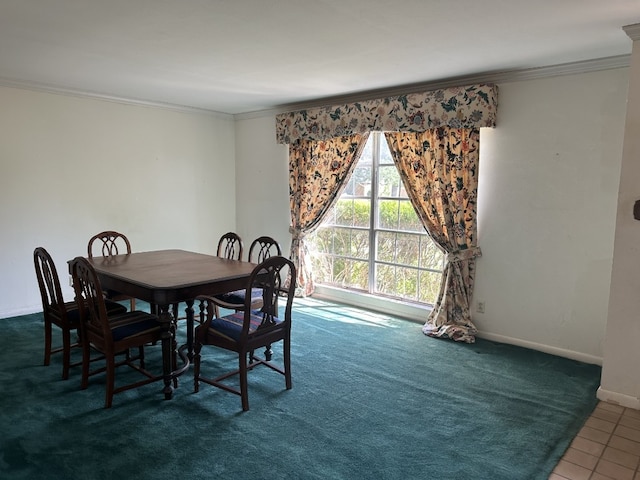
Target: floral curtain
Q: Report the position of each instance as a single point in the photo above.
(439, 169)
(318, 172)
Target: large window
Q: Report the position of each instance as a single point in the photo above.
(372, 239)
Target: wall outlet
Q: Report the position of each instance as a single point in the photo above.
(480, 307)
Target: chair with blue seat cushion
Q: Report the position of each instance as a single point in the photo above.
(261, 248)
(65, 315)
(114, 335)
(247, 328)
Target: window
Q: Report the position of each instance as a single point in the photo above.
(372, 239)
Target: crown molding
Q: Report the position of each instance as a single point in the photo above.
(632, 31)
(45, 88)
(507, 76)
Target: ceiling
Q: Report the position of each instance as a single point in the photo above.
(239, 56)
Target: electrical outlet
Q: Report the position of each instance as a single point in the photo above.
(480, 307)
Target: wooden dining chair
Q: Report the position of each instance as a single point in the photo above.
(108, 244)
(112, 336)
(64, 315)
(248, 329)
(230, 246)
(261, 249)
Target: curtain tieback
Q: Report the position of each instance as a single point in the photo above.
(295, 234)
(463, 255)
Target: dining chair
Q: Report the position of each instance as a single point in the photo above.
(65, 315)
(248, 329)
(230, 246)
(111, 336)
(107, 244)
(261, 249)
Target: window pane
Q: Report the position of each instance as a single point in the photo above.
(388, 214)
(341, 251)
(388, 181)
(429, 286)
(360, 244)
(344, 212)
(397, 281)
(386, 279)
(340, 241)
(430, 255)
(386, 247)
(407, 286)
(362, 213)
(407, 249)
(408, 219)
(351, 273)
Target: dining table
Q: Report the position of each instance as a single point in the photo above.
(168, 277)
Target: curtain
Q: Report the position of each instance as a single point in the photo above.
(471, 106)
(318, 172)
(439, 169)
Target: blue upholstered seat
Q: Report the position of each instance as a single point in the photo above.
(230, 326)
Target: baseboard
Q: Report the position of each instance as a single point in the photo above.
(419, 314)
(560, 352)
(618, 398)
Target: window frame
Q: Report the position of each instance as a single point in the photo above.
(374, 230)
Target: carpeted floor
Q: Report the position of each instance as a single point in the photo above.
(372, 397)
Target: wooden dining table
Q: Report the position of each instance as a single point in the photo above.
(168, 277)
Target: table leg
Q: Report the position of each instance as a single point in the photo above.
(167, 350)
(190, 326)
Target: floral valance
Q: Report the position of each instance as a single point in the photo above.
(473, 106)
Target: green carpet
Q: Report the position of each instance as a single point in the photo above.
(372, 398)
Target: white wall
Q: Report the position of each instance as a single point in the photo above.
(262, 191)
(71, 167)
(620, 379)
(547, 205)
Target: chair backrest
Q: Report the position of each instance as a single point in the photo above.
(262, 248)
(270, 276)
(48, 281)
(109, 243)
(90, 299)
(230, 246)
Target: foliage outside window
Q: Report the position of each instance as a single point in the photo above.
(372, 240)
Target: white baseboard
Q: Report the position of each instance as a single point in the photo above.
(560, 352)
(419, 314)
(618, 398)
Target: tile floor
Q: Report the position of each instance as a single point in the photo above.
(607, 447)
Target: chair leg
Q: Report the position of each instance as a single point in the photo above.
(244, 393)
(286, 347)
(268, 353)
(47, 343)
